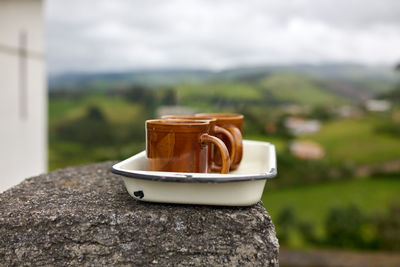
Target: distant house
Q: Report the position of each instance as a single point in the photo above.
(375, 105)
(300, 126)
(296, 110)
(23, 101)
(307, 150)
(348, 111)
(396, 117)
(270, 128)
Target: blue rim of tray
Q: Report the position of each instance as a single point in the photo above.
(197, 177)
(191, 177)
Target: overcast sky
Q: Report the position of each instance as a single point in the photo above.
(112, 35)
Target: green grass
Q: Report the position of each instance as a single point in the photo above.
(122, 117)
(312, 203)
(283, 87)
(370, 194)
(357, 141)
(279, 143)
(64, 154)
(297, 89)
(58, 108)
(116, 109)
(197, 95)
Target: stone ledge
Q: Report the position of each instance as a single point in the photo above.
(84, 216)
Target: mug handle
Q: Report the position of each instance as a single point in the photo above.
(205, 138)
(237, 136)
(223, 131)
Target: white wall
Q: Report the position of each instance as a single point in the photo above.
(23, 136)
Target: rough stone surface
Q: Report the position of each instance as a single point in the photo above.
(84, 216)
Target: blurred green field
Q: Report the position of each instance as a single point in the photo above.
(204, 95)
(121, 116)
(371, 194)
(357, 141)
(58, 108)
(298, 89)
(116, 109)
(312, 203)
(279, 143)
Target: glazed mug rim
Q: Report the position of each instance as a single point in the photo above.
(171, 125)
(220, 115)
(187, 117)
(224, 118)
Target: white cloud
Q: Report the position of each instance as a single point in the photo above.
(113, 35)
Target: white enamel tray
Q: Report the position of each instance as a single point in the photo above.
(242, 187)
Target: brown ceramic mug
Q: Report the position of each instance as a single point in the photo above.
(214, 131)
(181, 146)
(234, 124)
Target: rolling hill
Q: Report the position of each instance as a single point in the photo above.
(302, 84)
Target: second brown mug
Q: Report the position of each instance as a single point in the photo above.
(234, 124)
